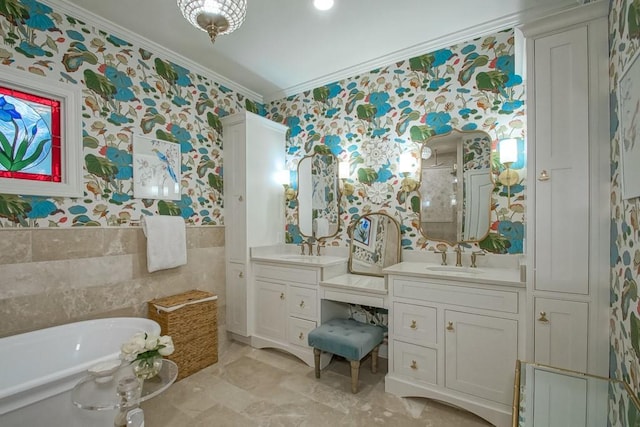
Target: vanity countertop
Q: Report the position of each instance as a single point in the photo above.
(290, 254)
(308, 260)
(482, 275)
(356, 282)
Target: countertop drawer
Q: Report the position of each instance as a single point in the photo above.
(466, 296)
(414, 361)
(297, 274)
(298, 331)
(415, 323)
(303, 302)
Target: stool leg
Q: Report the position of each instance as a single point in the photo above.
(374, 359)
(316, 361)
(355, 370)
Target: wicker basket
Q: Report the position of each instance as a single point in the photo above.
(191, 320)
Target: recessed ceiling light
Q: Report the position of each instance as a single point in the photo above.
(323, 4)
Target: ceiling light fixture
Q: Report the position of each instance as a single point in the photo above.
(214, 16)
(323, 4)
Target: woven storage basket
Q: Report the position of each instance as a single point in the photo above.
(192, 324)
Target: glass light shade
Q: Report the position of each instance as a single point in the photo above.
(508, 150)
(283, 177)
(323, 4)
(425, 153)
(406, 162)
(343, 169)
(214, 16)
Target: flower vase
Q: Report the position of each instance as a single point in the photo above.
(147, 367)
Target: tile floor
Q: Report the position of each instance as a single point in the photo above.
(251, 387)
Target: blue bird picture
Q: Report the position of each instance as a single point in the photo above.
(164, 160)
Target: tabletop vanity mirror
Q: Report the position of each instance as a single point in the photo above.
(456, 186)
(375, 244)
(318, 196)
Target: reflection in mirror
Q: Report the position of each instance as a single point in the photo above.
(456, 186)
(318, 196)
(375, 244)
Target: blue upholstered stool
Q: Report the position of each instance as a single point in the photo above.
(350, 339)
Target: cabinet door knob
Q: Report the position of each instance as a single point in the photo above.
(240, 198)
(414, 365)
(301, 303)
(301, 336)
(543, 317)
(449, 326)
(544, 175)
(282, 295)
(414, 324)
(241, 275)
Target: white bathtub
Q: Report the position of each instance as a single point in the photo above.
(38, 369)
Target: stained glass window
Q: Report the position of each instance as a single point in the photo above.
(30, 136)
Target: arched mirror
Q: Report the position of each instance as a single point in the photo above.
(456, 183)
(318, 196)
(375, 244)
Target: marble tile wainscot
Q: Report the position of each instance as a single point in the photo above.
(52, 276)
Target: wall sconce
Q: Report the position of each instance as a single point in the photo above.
(406, 165)
(284, 177)
(343, 169)
(508, 150)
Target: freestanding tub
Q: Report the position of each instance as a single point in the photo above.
(38, 369)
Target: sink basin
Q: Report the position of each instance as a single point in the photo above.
(453, 269)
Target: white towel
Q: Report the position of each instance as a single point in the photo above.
(166, 241)
(321, 227)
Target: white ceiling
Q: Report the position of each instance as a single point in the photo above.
(286, 46)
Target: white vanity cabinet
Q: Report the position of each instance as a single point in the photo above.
(568, 190)
(254, 150)
(286, 305)
(455, 341)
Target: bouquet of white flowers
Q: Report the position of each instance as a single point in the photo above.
(144, 346)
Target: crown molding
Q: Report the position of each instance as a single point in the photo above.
(117, 30)
(465, 35)
(566, 18)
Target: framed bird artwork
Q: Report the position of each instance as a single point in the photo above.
(156, 168)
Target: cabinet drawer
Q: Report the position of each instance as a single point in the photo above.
(303, 302)
(298, 274)
(415, 361)
(489, 299)
(354, 298)
(298, 331)
(415, 323)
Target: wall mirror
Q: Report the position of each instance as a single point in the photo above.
(375, 244)
(456, 183)
(318, 196)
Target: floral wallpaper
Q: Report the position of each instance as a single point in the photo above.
(371, 119)
(624, 39)
(126, 90)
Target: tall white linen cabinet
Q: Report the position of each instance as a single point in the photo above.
(568, 178)
(254, 153)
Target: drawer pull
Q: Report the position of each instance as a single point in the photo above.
(414, 365)
(281, 295)
(241, 275)
(302, 304)
(543, 317)
(301, 336)
(414, 325)
(544, 176)
(450, 326)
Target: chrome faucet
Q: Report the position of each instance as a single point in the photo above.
(458, 250)
(474, 256)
